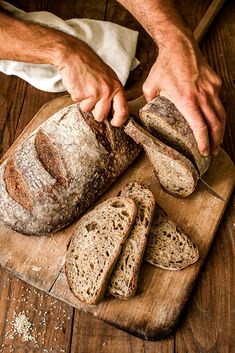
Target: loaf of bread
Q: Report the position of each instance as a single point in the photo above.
(124, 279)
(95, 246)
(168, 247)
(176, 174)
(161, 118)
(60, 170)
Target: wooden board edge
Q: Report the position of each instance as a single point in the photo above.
(148, 333)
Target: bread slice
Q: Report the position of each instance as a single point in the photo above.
(163, 120)
(175, 172)
(168, 246)
(123, 282)
(95, 246)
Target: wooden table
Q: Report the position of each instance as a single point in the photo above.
(206, 325)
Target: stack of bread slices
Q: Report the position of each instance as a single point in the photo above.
(169, 143)
(109, 243)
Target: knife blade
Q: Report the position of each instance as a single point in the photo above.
(211, 191)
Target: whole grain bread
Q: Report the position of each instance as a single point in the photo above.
(124, 279)
(163, 120)
(168, 247)
(60, 170)
(95, 246)
(176, 174)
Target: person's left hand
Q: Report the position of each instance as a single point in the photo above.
(91, 82)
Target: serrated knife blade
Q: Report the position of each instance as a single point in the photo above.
(211, 191)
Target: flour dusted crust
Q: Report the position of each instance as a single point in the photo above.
(175, 172)
(162, 119)
(64, 165)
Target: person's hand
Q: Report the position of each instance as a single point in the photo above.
(182, 75)
(85, 76)
(92, 83)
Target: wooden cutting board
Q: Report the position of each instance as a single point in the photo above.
(154, 311)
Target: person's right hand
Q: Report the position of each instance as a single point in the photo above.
(182, 75)
(92, 83)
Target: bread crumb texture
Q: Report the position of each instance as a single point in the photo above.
(124, 279)
(168, 247)
(95, 247)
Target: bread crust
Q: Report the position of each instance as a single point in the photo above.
(163, 120)
(152, 145)
(85, 168)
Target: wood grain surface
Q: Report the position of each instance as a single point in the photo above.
(207, 323)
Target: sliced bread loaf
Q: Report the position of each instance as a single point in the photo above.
(168, 246)
(95, 246)
(60, 170)
(175, 172)
(123, 282)
(163, 120)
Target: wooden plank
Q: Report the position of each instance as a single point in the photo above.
(49, 320)
(218, 47)
(90, 333)
(209, 322)
(141, 314)
(29, 6)
(193, 11)
(213, 298)
(81, 9)
(11, 108)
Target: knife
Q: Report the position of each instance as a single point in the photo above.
(134, 107)
(210, 190)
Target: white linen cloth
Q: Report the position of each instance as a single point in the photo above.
(115, 44)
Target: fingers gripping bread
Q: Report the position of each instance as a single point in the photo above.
(95, 247)
(176, 173)
(60, 170)
(123, 282)
(164, 121)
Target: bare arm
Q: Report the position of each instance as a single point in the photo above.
(180, 72)
(85, 76)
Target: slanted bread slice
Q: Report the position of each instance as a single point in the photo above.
(95, 246)
(167, 245)
(164, 121)
(123, 282)
(176, 173)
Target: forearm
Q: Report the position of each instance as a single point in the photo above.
(180, 72)
(160, 18)
(31, 42)
(85, 76)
